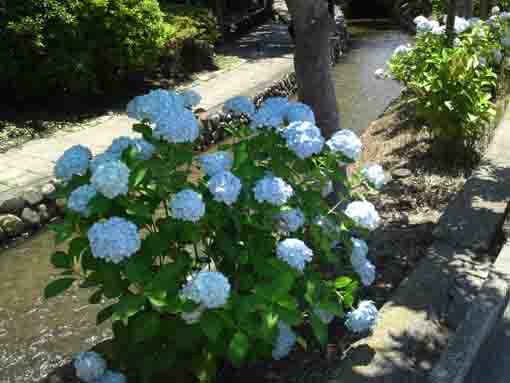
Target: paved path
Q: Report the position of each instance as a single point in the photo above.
(265, 53)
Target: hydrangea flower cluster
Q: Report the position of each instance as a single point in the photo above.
(291, 220)
(112, 377)
(209, 288)
(144, 149)
(187, 205)
(346, 142)
(239, 105)
(273, 190)
(297, 111)
(74, 161)
(179, 128)
(363, 213)
(294, 252)
(114, 240)
(216, 162)
(156, 105)
(425, 25)
(363, 318)
(225, 187)
(101, 159)
(285, 341)
(374, 175)
(271, 113)
(303, 138)
(495, 10)
(111, 179)
(360, 262)
(89, 366)
(190, 98)
(79, 199)
(461, 25)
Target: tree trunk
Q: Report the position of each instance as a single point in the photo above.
(450, 22)
(312, 27)
(485, 6)
(465, 8)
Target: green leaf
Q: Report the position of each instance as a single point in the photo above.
(57, 287)
(138, 176)
(342, 282)
(100, 205)
(139, 269)
(211, 324)
(63, 231)
(77, 246)
(104, 314)
(143, 129)
(95, 298)
(61, 260)
(128, 305)
(320, 330)
(238, 348)
(144, 326)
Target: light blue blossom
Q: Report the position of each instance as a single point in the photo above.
(118, 146)
(363, 318)
(156, 105)
(267, 118)
(114, 240)
(284, 342)
(225, 187)
(402, 50)
(504, 16)
(213, 163)
(209, 288)
(346, 142)
(374, 175)
(144, 148)
(291, 220)
(303, 138)
(277, 104)
(360, 262)
(111, 179)
(294, 252)
(363, 213)
(273, 190)
(239, 105)
(190, 98)
(324, 316)
(89, 366)
(74, 161)
(80, 198)
(297, 111)
(482, 60)
(178, 128)
(101, 159)
(422, 24)
(187, 205)
(112, 377)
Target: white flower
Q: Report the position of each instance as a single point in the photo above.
(209, 288)
(273, 190)
(346, 142)
(461, 25)
(495, 10)
(402, 50)
(294, 252)
(187, 205)
(363, 318)
(297, 111)
(436, 28)
(178, 128)
(505, 41)
(303, 138)
(217, 162)
(374, 175)
(89, 366)
(112, 377)
(225, 187)
(363, 214)
(497, 55)
(504, 16)
(421, 22)
(101, 159)
(111, 179)
(284, 342)
(190, 98)
(114, 239)
(291, 220)
(193, 316)
(360, 262)
(157, 104)
(457, 42)
(379, 74)
(80, 198)
(74, 161)
(324, 316)
(239, 105)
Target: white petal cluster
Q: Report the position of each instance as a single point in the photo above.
(225, 187)
(303, 138)
(482, 60)
(284, 342)
(505, 41)
(111, 179)
(346, 142)
(380, 74)
(187, 205)
(271, 113)
(190, 98)
(402, 50)
(324, 316)
(291, 220)
(437, 29)
(239, 105)
(112, 377)
(193, 316)
(89, 366)
(156, 105)
(294, 252)
(209, 288)
(461, 25)
(504, 16)
(74, 161)
(457, 42)
(497, 55)
(217, 162)
(273, 190)
(422, 23)
(178, 128)
(363, 318)
(114, 239)
(360, 262)
(495, 10)
(297, 111)
(80, 198)
(374, 175)
(363, 213)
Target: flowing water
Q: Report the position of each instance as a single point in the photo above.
(38, 335)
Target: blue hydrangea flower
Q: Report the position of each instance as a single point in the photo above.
(209, 288)
(363, 318)
(89, 366)
(374, 175)
(239, 105)
(346, 142)
(363, 213)
(217, 162)
(114, 239)
(324, 316)
(291, 220)
(297, 111)
(156, 105)
(225, 187)
(294, 252)
(190, 98)
(187, 205)
(118, 146)
(101, 159)
(74, 161)
(144, 148)
(303, 138)
(266, 118)
(279, 104)
(273, 190)
(178, 128)
(284, 342)
(80, 198)
(111, 179)
(504, 16)
(112, 377)
(360, 262)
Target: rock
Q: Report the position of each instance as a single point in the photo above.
(12, 206)
(33, 196)
(11, 225)
(44, 212)
(47, 189)
(31, 217)
(401, 173)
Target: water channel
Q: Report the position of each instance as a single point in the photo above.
(38, 335)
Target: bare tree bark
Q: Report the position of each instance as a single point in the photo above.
(450, 22)
(485, 6)
(312, 27)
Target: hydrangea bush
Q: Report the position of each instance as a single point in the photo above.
(215, 257)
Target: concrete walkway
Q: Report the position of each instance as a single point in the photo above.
(266, 56)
